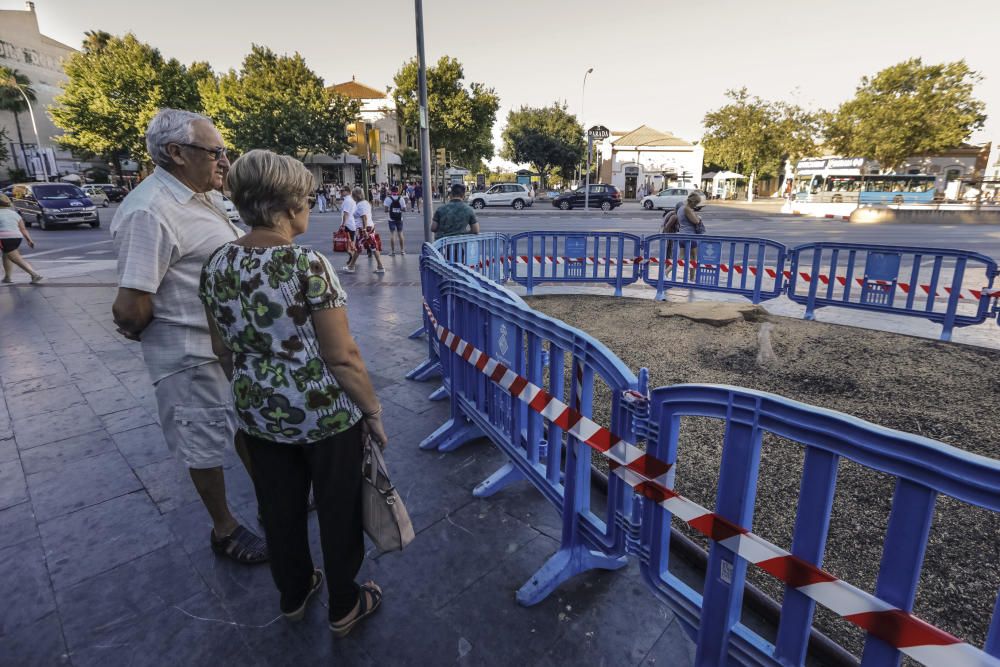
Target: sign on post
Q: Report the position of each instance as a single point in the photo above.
(598, 132)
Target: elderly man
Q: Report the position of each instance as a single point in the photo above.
(164, 231)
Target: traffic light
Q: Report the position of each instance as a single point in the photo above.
(374, 150)
(356, 138)
(441, 155)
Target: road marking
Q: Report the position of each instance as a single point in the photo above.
(73, 249)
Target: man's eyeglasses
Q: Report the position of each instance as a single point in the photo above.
(216, 153)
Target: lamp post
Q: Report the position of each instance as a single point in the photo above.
(38, 142)
(425, 137)
(583, 97)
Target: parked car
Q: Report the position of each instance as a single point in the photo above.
(97, 195)
(604, 197)
(503, 194)
(669, 198)
(114, 192)
(54, 204)
(231, 211)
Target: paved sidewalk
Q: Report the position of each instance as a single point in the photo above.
(104, 546)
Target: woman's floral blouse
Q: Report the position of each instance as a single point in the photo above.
(262, 300)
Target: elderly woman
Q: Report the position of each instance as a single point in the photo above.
(12, 232)
(303, 396)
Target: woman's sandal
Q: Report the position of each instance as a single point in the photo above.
(317, 583)
(369, 600)
(242, 546)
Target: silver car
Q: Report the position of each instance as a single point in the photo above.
(514, 195)
(96, 194)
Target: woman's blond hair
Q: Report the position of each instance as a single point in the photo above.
(263, 184)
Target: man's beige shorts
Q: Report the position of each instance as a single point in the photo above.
(196, 415)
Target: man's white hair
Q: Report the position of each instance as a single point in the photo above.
(169, 126)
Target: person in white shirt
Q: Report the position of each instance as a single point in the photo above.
(394, 206)
(164, 231)
(12, 232)
(347, 222)
(365, 226)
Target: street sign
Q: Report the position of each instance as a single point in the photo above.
(599, 132)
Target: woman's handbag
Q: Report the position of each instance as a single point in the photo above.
(385, 518)
(341, 240)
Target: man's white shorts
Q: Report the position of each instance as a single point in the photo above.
(196, 415)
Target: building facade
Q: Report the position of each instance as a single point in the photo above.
(646, 160)
(25, 49)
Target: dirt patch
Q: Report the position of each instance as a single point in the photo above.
(943, 391)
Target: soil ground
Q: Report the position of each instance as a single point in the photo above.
(943, 391)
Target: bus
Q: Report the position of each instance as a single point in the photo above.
(865, 189)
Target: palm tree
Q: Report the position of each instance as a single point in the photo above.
(11, 98)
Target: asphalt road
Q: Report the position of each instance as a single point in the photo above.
(60, 247)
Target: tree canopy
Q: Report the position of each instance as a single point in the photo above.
(547, 138)
(907, 109)
(276, 102)
(754, 136)
(116, 85)
(460, 119)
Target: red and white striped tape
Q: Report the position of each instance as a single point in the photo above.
(648, 477)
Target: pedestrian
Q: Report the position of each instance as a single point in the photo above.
(163, 232)
(418, 194)
(365, 226)
(409, 195)
(311, 430)
(321, 199)
(394, 206)
(383, 192)
(348, 223)
(456, 217)
(12, 232)
(689, 222)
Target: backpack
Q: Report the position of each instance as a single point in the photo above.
(671, 223)
(395, 209)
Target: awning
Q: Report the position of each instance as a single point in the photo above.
(388, 157)
(332, 159)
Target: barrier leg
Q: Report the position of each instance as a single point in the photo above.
(498, 481)
(565, 563)
(427, 369)
(439, 394)
(417, 333)
(451, 435)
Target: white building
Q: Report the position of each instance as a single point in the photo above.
(25, 49)
(647, 160)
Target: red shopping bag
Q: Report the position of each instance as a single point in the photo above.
(341, 240)
(378, 241)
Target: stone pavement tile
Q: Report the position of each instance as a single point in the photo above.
(414, 396)
(122, 596)
(24, 586)
(191, 526)
(17, 524)
(99, 538)
(522, 501)
(65, 451)
(168, 483)
(106, 400)
(13, 490)
(39, 644)
(195, 631)
(449, 556)
(44, 400)
(62, 489)
(236, 584)
(427, 499)
(121, 361)
(28, 368)
(12, 351)
(472, 463)
(84, 366)
(126, 420)
(8, 450)
(142, 446)
(59, 379)
(674, 647)
(43, 429)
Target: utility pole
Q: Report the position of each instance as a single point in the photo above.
(38, 142)
(425, 134)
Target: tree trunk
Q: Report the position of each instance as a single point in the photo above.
(753, 175)
(17, 124)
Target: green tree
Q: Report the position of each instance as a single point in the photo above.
(460, 119)
(754, 136)
(12, 83)
(4, 151)
(547, 138)
(411, 162)
(908, 109)
(277, 102)
(116, 85)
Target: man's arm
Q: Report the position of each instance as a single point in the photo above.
(434, 221)
(132, 311)
(473, 223)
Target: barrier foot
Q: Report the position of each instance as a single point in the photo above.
(439, 394)
(498, 481)
(451, 435)
(417, 334)
(425, 371)
(565, 563)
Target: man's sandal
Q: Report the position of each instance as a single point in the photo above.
(369, 599)
(317, 583)
(241, 546)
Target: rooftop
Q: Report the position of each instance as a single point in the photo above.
(644, 135)
(356, 90)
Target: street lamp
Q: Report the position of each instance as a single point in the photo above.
(583, 94)
(11, 81)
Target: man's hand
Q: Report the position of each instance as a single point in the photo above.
(132, 312)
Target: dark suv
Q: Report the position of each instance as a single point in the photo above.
(54, 204)
(604, 197)
(114, 192)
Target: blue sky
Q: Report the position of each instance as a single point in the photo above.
(662, 64)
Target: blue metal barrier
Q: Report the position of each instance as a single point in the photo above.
(614, 258)
(946, 286)
(485, 253)
(555, 356)
(750, 267)
(923, 469)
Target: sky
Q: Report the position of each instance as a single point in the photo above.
(659, 63)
